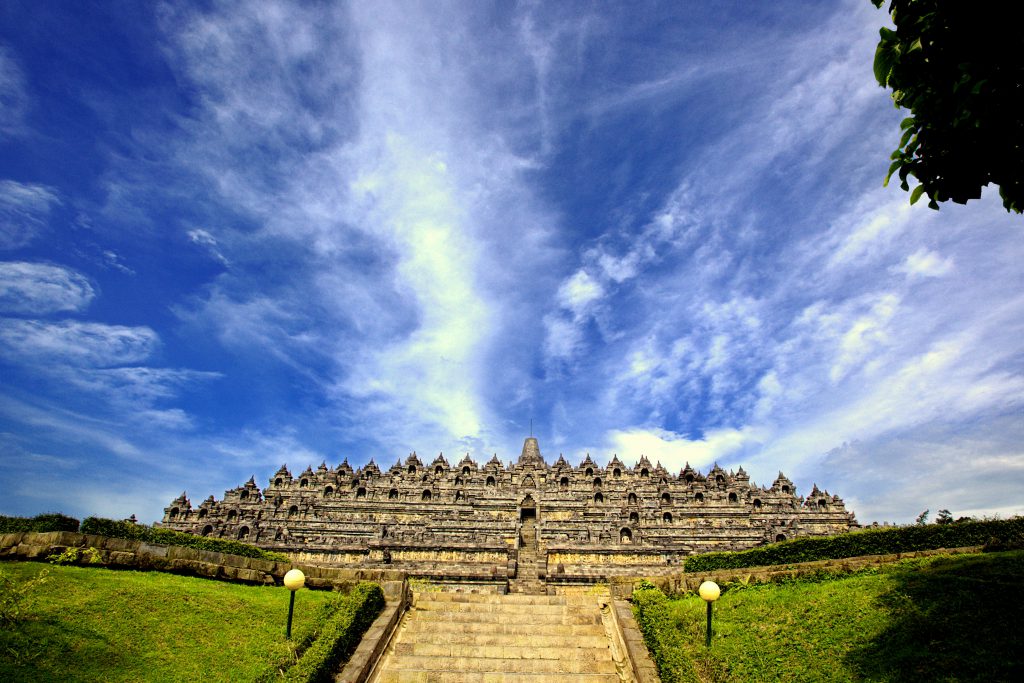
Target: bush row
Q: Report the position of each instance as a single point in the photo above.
(995, 533)
(339, 636)
(51, 521)
(661, 634)
(140, 532)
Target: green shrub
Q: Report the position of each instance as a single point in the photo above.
(75, 555)
(868, 542)
(50, 521)
(651, 609)
(140, 532)
(15, 596)
(339, 636)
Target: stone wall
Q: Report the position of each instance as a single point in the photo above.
(126, 554)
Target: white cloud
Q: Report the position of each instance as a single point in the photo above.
(950, 382)
(38, 288)
(406, 211)
(564, 331)
(264, 449)
(76, 343)
(24, 210)
(137, 387)
(562, 339)
(418, 204)
(76, 428)
(970, 469)
(925, 263)
(868, 232)
(204, 239)
(112, 259)
(769, 391)
(866, 334)
(579, 292)
(674, 450)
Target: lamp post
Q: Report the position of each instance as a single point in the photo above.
(709, 592)
(293, 581)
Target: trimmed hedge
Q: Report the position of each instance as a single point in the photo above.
(995, 533)
(661, 634)
(339, 636)
(140, 532)
(50, 521)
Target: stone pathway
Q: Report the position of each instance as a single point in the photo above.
(502, 638)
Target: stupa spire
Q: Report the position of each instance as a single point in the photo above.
(531, 452)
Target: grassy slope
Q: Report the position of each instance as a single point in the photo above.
(93, 624)
(944, 619)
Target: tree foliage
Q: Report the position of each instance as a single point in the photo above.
(959, 69)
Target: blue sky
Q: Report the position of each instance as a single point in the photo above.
(236, 235)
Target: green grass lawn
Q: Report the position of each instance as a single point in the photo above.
(95, 624)
(953, 618)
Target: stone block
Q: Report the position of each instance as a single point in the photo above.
(152, 550)
(120, 558)
(11, 540)
(115, 544)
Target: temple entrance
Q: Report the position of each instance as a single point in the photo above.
(529, 559)
(528, 509)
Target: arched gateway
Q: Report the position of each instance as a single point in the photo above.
(527, 508)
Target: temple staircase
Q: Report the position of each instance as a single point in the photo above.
(529, 564)
(447, 637)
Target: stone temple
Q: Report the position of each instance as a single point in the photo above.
(521, 526)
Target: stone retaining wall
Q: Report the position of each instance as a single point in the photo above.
(128, 554)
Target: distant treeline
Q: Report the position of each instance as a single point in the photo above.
(1000, 534)
(50, 521)
(137, 532)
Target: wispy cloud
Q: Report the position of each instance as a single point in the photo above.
(204, 239)
(24, 208)
(39, 289)
(14, 101)
(405, 223)
(437, 266)
(926, 263)
(76, 343)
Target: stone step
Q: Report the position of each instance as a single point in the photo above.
(524, 649)
(494, 598)
(504, 616)
(413, 676)
(596, 639)
(500, 665)
(487, 607)
(531, 588)
(453, 629)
